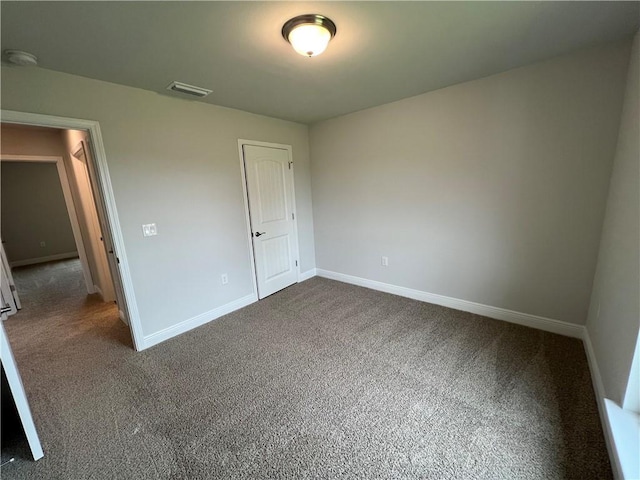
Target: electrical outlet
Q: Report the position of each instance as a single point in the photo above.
(385, 261)
(43, 244)
(224, 278)
(149, 230)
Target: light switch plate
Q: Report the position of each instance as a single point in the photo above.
(149, 230)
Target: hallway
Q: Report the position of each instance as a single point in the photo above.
(57, 309)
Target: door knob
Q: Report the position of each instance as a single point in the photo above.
(257, 234)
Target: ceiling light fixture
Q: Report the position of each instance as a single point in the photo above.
(309, 34)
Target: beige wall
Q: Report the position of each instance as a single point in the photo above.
(614, 316)
(21, 243)
(173, 162)
(17, 140)
(33, 211)
(491, 191)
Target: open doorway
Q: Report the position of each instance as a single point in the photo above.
(78, 295)
(55, 238)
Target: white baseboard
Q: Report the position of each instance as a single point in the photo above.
(526, 319)
(596, 378)
(307, 275)
(598, 387)
(123, 317)
(48, 258)
(191, 323)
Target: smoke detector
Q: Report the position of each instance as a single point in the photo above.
(20, 58)
(188, 89)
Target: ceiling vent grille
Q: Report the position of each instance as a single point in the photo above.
(188, 89)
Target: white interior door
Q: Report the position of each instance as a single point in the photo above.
(8, 277)
(19, 396)
(269, 176)
(7, 302)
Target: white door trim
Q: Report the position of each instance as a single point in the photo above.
(71, 208)
(106, 192)
(99, 251)
(245, 196)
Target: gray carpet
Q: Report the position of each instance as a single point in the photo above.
(321, 380)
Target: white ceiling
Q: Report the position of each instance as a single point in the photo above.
(383, 51)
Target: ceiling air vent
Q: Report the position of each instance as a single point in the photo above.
(188, 89)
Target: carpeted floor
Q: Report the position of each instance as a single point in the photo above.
(321, 380)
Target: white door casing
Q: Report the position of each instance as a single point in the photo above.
(87, 198)
(107, 238)
(106, 190)
(270, 193)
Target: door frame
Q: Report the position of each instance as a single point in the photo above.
(247, 214)
(101, 260)
(105, 191)
(71, 208)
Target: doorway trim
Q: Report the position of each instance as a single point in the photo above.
(103, 272)
(245, 197)
(106, 193)
(71, 208)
